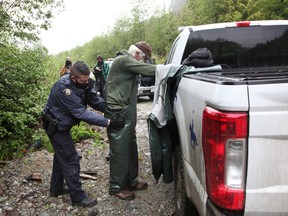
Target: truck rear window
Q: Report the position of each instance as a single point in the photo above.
(243, 47)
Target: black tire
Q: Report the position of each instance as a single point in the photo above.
(183, 206)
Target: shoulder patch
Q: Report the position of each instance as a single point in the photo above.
(67, 91)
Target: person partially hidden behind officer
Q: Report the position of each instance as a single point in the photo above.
(65, 69)
(100, 71)
(66, 107)
(121, 100)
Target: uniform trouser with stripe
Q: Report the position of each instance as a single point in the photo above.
(66, 165)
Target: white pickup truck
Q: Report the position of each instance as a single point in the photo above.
(232, 154)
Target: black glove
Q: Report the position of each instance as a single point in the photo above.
(117, 123)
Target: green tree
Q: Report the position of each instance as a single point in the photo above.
(22, 95)
(26, 74)
(23, 65)
(159, 27)
(268, 9)
(120, 34)
(215, 11)
(161, 32)
(155, 26)
(139, 14)
(22, 19)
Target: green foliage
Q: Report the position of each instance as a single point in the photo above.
(23, 19)
(11, 148)
(161, 32)
(215, 11)
(159, 28)
(83, 131)
(23, 71)
(139, 14)
(127, 31)
(27, 74)
(21, 96)
(267, 9)
(79, 132)
(41, 136)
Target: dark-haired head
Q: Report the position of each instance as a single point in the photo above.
(79, 68)
(68, 64)
(80, 74)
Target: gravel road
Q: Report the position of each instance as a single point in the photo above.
(21, 197)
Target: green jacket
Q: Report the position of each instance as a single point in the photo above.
(122, 82)
(104, 70)
(162, 126)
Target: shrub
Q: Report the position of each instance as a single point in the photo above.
(84, 131)
(22, 95)
(79, 132)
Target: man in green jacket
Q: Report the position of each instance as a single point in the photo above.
(100, 71)
(121, 100)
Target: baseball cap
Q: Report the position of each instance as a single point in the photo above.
(145, 48)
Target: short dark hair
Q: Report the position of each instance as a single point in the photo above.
(79, 68)
(68, 64)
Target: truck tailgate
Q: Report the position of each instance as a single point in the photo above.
(267, 165)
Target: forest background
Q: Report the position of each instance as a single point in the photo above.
(27, 71)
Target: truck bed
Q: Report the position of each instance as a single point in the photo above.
(244, 76)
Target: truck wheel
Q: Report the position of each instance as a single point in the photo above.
(183, 206)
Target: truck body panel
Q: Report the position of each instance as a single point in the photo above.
(255, 82)
(267, 153)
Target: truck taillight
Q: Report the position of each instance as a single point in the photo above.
(243, 24)
(224, 144)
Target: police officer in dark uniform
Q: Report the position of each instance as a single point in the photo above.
(66, 106)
